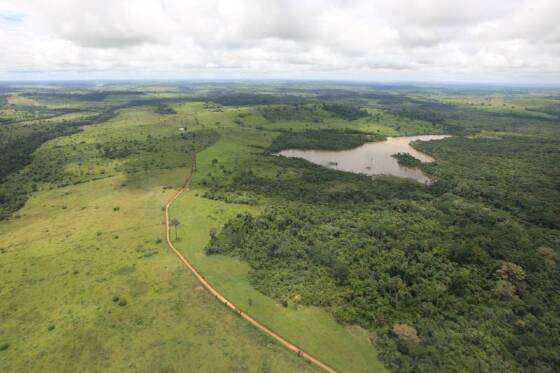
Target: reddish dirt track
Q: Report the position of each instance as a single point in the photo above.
(223, 299)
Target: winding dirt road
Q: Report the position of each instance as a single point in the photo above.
(220, 297)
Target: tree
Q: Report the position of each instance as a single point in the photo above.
(505, 290)
(213, 233)
(175, 223)
(406, 333)
(511, 273)
(550, 257)
(398, 286)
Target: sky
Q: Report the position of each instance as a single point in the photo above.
(509, 41)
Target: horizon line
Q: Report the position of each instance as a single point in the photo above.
(286, 80)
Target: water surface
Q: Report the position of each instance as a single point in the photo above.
(372, 158)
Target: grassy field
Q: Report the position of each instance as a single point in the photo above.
(88, 284)
(347, 349)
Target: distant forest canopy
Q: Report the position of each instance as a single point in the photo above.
(348, 112)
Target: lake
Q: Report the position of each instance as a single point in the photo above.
(372, 158)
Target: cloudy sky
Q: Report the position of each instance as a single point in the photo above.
(378, 40)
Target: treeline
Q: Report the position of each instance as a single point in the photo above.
(434, 112)
(165, 109)
(244, 99)
(322, 140)
(32, 112)
(552, 109)
(79, 96)
(295, 112)
(465, 120)
(345, 111)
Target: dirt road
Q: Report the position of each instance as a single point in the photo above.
(223, 299)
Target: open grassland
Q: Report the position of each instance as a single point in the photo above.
(71, 255)
(87, 282)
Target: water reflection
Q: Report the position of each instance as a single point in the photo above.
(371, 158)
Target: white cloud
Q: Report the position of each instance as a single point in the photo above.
(392, 39)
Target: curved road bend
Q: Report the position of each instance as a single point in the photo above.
(223, 299)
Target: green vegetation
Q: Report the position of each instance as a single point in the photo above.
(365, 274)
(345, 348)
(322, 140)
(164, 109)
(348, 112)
(448, 276)
(407, 160)
(99, 303)
(19, 141)
(513, 173)
(295, 112)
